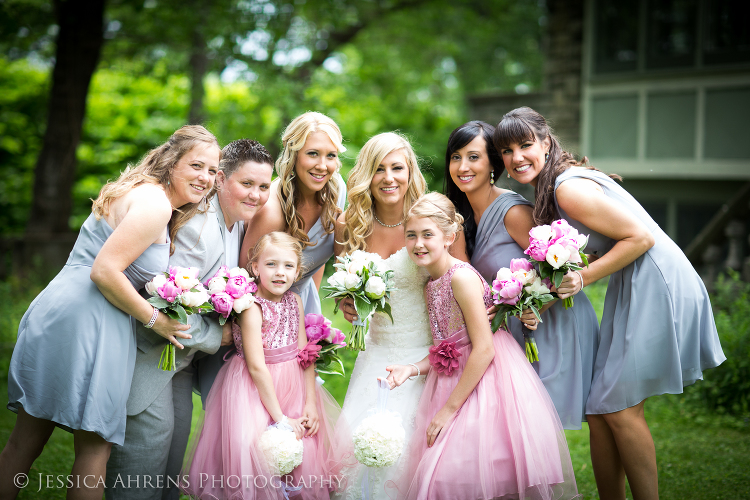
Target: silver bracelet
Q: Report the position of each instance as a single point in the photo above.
(153, 318)
(580, 276)
(419, 372)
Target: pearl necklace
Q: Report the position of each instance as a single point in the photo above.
(384, 224)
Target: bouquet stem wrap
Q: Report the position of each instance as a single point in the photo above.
(532, 353)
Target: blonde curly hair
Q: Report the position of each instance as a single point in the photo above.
(440, 209)
(156, 168)
(359, 216)
(293, 139)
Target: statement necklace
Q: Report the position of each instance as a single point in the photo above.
(384, 224)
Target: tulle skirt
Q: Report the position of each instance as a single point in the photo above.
(226, 463)
(505, 442)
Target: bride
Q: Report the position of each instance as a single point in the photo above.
(383, 185)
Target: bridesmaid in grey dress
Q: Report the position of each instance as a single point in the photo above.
(309, 193)
(567, 339)
(74, 358)
(657, 331)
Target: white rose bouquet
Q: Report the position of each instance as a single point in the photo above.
(365, 278)
(379, 438)
(557, 248)
(231, 292)
(281, 449)
(516, 288)
(177, 293)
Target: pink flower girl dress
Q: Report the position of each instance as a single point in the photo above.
(505, 442)
(226, 462)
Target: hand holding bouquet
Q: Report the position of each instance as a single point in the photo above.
(231, 292)
(557, 248)
(177, 294)
(323, 341)
(515, 289)
(365, 278)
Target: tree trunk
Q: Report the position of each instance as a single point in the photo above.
(79, 42)
(198, 68)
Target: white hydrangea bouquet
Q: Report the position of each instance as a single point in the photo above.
(379, 438)
(366, 278)
(281, 449)
(177, 293)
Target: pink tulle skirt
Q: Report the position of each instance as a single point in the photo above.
(225, 462)
(505, 442)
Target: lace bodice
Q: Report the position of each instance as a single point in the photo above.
(280, 323)
(446, 317)
(409, 311)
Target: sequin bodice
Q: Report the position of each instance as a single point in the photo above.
(446, 317)
(280, 323)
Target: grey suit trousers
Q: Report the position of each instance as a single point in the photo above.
(155, 441)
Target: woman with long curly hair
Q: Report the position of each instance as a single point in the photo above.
(73, 362)
(383, 185)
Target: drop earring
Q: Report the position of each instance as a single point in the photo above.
(546, 156)
(492, 177)
(508, 175)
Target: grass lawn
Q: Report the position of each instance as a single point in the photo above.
(700, 455)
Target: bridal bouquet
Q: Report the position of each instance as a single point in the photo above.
(557, 248)
(517, 288)
(322, 343)
(365, 278)
(281, 449)
(177, 294)
(231, 292)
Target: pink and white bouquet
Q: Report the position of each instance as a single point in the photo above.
(177, 293)
(231, 292)
(322, 343)
(365, 278)
(557, 248)
(516, 288)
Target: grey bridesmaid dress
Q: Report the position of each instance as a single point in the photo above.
(657, 333)
(567, 339)
(315, 256)
(74, 357)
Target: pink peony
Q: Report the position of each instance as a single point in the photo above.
(252, 287)
(223, 303)
(561, 228)
(507, 292)
(537, 250)
(520, 265)
(337, 337)
(541, 234)
(169, 291)
(223, 272)
(237, 286)
(444, 357)
(308, 354)
(317, 327)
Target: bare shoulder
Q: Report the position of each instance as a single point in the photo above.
(579, 195)
(466, 283)
(147, 199)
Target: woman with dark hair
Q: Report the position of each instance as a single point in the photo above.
(657, 331)
(497, 225)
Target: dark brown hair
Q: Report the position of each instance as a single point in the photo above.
(526, 125)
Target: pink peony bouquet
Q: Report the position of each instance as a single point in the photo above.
(231, 292)
(322, 343)
(177, 293)
(557, 248)
(516, 288)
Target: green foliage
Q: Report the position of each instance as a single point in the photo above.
(727, 387)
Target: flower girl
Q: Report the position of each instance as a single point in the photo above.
(264, 382)
(486, 428)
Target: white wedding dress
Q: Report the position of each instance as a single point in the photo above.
(406, 340)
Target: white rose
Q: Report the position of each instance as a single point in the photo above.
(157, 282)
(337, 279)
(352, 281)
(217, 285)
(239, 271)
(194, 299)
(504, 274)
(359, 255)
(557, 255)
(375, 287)
(537, 286)
(356, 266)
(525, 277)
(185, 277)
(243, 302)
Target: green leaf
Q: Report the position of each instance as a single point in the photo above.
(387, 310)
(158, 302)
(584, 259)
(557, 276)
(181, 314)
(536, 312)
(364, 307)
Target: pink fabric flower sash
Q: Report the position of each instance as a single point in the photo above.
(307, 355)
(445, 353)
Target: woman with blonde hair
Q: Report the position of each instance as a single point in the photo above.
(383, 186)
(305, 199)
(73, 362)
